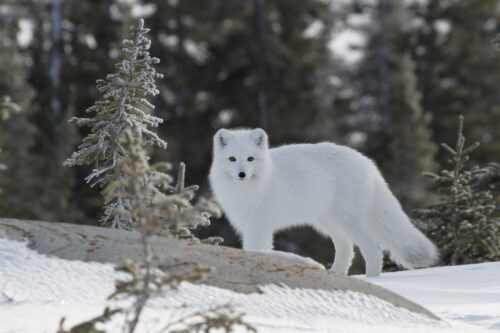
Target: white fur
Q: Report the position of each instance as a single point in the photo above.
(333, 188)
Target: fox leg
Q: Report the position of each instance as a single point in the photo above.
(344, 252)
(373, 256)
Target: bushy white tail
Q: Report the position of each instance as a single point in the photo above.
(407, 245)
(418, 252)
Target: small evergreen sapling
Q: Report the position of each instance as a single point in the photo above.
(123, 107)
(148, 190)
(153, 211)
(189, 217)
(149, 209)
(462, 225)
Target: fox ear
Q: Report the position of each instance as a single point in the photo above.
(259, 136)
(221, 138)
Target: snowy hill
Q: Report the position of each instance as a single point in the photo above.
(236, 270)
(37, 290)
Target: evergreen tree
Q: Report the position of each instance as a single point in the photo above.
(21, 183)
(412, 148)
(463, 224)
(72, 43)
(451, 43)
(6, 108)
(489, 180)
(125, 96)
(374, 83)
(48, 110)
(387, 103)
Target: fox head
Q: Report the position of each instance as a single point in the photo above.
(241, 155)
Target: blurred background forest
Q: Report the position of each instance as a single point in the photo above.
(386, 77)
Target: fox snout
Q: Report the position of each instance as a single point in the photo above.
(241, 175)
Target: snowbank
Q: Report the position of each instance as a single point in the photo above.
(291, 257)
(236, 270)
(36, 291)
(466, 293)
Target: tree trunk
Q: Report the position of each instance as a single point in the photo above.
(261, 33)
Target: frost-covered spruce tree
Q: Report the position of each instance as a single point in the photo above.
(463, 224)
(124, 106)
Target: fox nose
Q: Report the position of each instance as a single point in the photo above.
(241, 175)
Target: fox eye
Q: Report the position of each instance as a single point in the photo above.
(232, 159)
(250, 159)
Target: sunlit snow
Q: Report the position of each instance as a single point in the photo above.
(37, 290)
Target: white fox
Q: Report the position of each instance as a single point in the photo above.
(335, 189)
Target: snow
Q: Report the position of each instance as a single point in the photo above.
(42, 289)
(467, 293)
(314, 29)
(291, 257)
(25, 34)
(349, 36)
(347, 45)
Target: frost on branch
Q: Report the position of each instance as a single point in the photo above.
(124, 107)
(154, 206)
(463, 224)
(189, 217)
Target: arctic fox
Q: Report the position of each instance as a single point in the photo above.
(335, 189)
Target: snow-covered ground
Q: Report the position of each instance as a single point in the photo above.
(463, 294)
(306, 261)
(36, 291)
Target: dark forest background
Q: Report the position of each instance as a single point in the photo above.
(386, 77)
